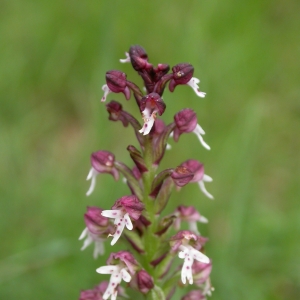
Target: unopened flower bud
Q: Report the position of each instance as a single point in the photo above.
(138, 57)
(144, 281)
(116, 81)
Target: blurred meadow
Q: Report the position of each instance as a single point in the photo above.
(53, 59)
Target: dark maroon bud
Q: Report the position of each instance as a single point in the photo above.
(160, 71)
(138, 57)
(182, 176)
(116, 82)
(182, 74)
(114, 109)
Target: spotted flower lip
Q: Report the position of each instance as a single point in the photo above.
(102, 162)
(117, 272)
(123, 210)
(151, 105)
(199, 176)
(187, 243)
(121, 265)
(193, 83)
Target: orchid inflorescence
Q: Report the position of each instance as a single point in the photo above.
(137, 218)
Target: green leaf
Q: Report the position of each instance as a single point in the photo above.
(156, 294)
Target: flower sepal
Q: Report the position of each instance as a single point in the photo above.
(132, 181)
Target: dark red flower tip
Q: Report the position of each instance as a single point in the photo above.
(138, 58)
(182, 74)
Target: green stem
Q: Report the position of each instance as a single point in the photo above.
(150, 239)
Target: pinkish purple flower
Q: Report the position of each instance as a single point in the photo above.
(182, 176)
(124, 209)
(194, 295)
(190, 215)
(97, 292)
(186, 121)
(183, 74)
(115, 83)
(120, 265)
(102, 162)
(183, 241)
(97, 229)
(151, 105)
(198, 169)
(201, 272)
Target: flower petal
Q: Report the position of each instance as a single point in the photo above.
(204, 191)
(107, 269)
(125, 275)
(114, 213)
(128, 222)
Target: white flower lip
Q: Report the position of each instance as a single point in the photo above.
(90, 238)
(193, 83)
(122, 219)
(149, 119)
(117, 274)
(92, 176)
(125, 60)
(189, 254)
(107, 91)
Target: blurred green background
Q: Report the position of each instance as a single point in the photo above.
(53, 58)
